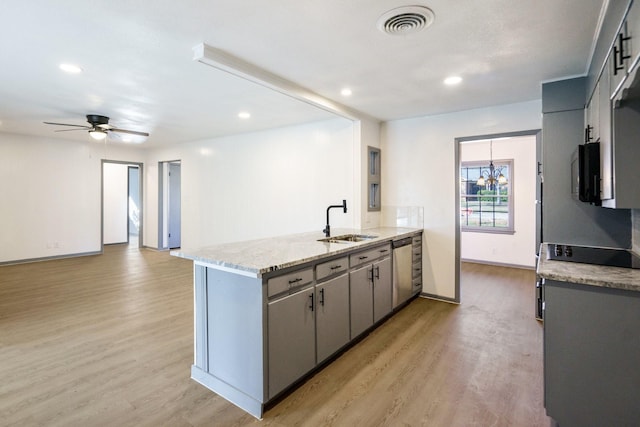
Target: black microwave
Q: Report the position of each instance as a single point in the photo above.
(585, 173)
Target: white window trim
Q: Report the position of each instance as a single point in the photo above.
(493, 230)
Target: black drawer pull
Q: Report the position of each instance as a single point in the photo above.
(362, 257)
(335, 267)
(291, 282)
(384, 250)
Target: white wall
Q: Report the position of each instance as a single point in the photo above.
(419, 169)
(50, 191)
(261, 184)
(516, 249)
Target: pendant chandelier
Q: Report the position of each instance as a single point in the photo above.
(492, 175)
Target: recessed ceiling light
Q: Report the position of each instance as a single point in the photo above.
(70, 68)
(244, 115)
(452, 80)
(346, 92)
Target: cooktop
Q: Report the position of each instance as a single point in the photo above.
(592, 255)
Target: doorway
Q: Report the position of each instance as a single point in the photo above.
(170, 205)
(122, 219)
(497, 223)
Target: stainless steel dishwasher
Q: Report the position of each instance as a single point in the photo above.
(402, 259)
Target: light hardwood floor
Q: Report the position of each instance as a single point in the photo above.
(108, 340)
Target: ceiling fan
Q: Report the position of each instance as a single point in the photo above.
(98, 127)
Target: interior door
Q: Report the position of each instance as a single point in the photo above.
(134, 203)
(174, 205)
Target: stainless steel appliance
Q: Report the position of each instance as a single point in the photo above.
(402, 268)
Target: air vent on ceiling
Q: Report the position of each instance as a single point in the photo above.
(405, 20)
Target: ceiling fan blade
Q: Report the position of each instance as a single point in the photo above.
(69, 130)
(67, 124)
(130, 132)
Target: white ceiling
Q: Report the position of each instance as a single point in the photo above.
(138, 66)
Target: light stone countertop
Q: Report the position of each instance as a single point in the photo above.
(588, 274)
(257, 257)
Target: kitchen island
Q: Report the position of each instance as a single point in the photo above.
(269, 312)
(591, 343)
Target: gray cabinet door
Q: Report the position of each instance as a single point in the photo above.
(332, 316)
(382, 289)
(292, 350)
(361, 300)
(606, 148)
(591, 354)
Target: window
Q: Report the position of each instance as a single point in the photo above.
(489, 207)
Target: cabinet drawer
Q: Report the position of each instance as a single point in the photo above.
(416, 270)
(284, 283)
(416, 284)
(330, 268)
(417, 254)
(370, 255)
(417, 240)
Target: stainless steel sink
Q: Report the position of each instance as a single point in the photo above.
(345, 238)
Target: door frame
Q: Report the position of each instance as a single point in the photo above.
(140, 190)
(457, 141)
(163, 201)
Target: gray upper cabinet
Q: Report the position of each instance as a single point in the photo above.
(292, 349)
(332, 316)
(633, 36)
(611, 114)
(604, 125)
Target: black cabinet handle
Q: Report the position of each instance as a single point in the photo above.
(335, 267)
(384, 250)
(618, 54)
(322, 296)
(362, 257)
(371, 275)
(291, 282)
(587, 133)
(311, 305)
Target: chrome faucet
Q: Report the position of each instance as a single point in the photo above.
(327, 229)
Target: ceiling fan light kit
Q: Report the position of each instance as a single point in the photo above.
(97, 134)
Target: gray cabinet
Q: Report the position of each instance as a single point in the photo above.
(360, 300)
(632, 31)
(382, 289)
(605, 136)
(591, 354)
(611, 114)
(291, 339)
(332, 316)
(370, 287)
(416, 264)
(257, 335)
